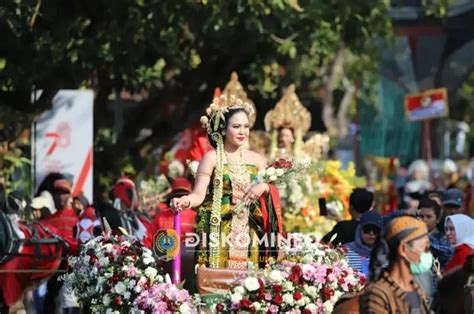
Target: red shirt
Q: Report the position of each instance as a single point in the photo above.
(461, 252)
(64, 221)
(164, 219)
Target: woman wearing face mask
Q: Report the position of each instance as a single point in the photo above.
(359, 250)
(404, 247)
(459, 230)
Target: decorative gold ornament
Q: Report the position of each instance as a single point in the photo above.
(234, 87)
(289, 112)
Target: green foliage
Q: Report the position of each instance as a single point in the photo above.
(15, 172)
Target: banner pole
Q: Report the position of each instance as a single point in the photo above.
(176, 267)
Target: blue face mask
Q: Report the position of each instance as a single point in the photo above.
(424, 265)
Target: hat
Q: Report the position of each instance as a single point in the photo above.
(453, 197)
(40, 202)
(405, 229)
(371, 217)
(181, 184)
(62, 184)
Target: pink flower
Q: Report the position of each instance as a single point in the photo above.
(274, 308)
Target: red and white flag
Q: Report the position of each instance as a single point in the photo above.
(430, 104)
(64, 138)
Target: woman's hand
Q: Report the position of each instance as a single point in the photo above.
(255, 192)
(179, 203)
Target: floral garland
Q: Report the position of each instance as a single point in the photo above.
(215, 218)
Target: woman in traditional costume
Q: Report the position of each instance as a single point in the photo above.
(229, 231)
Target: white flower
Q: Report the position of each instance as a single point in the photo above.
(204, 120)
(275, 275)
(288, 286)
(120, 288)
(272, 178)
(301, 302)
(251, 284)
(127, 295)
(311, 307)
(311, 291)
(106, 300)
(184, 308)
(167, 278)
(235, 298)
(148, 260)
(288, 299)
(239, 289)
(328, 306)
(150, 272)
(256, 306)
(279, 172)
(270, 171)
(132, 283)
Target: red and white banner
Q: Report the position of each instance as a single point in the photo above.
(430, 104)
(64, 138)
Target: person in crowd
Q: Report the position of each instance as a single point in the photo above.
(437, 196)
(367, 232)
(65, 220)
(459, 229)
(231, 171)
(453, 203)
(404, 247)
(89, 225)
(164, 217)
(360, 201)
(430, 213)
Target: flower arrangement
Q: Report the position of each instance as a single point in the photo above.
(280, 173)
(111, 272)
(166, 298)
(311, 280)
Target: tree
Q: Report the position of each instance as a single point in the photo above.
(178, 51)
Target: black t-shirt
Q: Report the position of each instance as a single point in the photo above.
(345, 231)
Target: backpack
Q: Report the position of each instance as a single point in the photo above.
(10, 239)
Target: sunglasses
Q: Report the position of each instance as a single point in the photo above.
(367, 229)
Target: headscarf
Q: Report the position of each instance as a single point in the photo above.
(358, 245)
(464, 227)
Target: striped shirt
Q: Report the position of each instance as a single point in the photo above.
(385, 296)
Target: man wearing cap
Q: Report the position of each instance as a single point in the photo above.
(65, 221)
(453, 203)
(405, 247)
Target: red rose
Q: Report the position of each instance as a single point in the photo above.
(115, 278)
(260, 282)
(277, 288)
(220, 307)
(297, 295)
(296, 274)
(92, 260)
(278, 299)
(362, 280)
(245, 303)
(118, 300)
(341, 280)
(327, 292)
(307, 312)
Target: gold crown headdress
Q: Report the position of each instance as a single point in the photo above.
(233, 97)
(289, 112)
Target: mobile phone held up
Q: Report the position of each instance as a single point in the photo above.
(323, 210)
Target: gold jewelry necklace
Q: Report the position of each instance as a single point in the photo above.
(239, 176)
